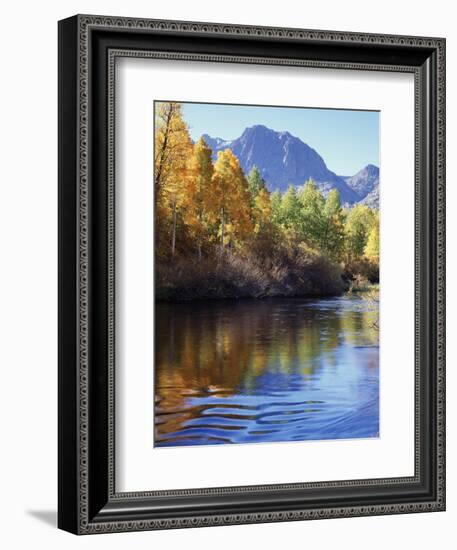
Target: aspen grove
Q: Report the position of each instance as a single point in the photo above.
(220, 233)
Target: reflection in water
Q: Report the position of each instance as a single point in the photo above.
(272, 370)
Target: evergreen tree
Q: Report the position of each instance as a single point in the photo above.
(276, 211)
(255, 182)
(313, 220)
(358, 225)
(333, 237)
(290, 211)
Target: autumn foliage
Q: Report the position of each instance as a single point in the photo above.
(221, 233)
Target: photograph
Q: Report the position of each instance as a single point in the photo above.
(266, 277)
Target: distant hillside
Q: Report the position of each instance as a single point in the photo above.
(366, 185)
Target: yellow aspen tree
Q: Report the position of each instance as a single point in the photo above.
(240, 207)
(372, 246)
(173, 147)
(262, 210)
(231, 198)
(222, 186)
(198, 202)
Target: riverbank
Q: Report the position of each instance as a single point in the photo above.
(244, 276)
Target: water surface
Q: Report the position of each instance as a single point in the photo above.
(250, 371)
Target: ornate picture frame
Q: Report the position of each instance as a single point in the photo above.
(88, 500)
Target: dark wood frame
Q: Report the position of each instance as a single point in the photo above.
(88, 502)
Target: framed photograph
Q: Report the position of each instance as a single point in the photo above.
(251, 274)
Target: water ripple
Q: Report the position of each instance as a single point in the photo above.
(281, 370)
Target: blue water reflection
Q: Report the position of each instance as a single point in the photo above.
(251, 371)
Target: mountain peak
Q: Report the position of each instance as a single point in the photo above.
(286, 134)
(371, 168)
(261, 129)
(283, 160)
(257, 129)
(216, 143)
(366, 184)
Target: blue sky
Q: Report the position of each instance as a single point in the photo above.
(346, 140)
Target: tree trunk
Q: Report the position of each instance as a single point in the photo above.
(173, 234)
(200, 238)
(158, 178)
(222, 229)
